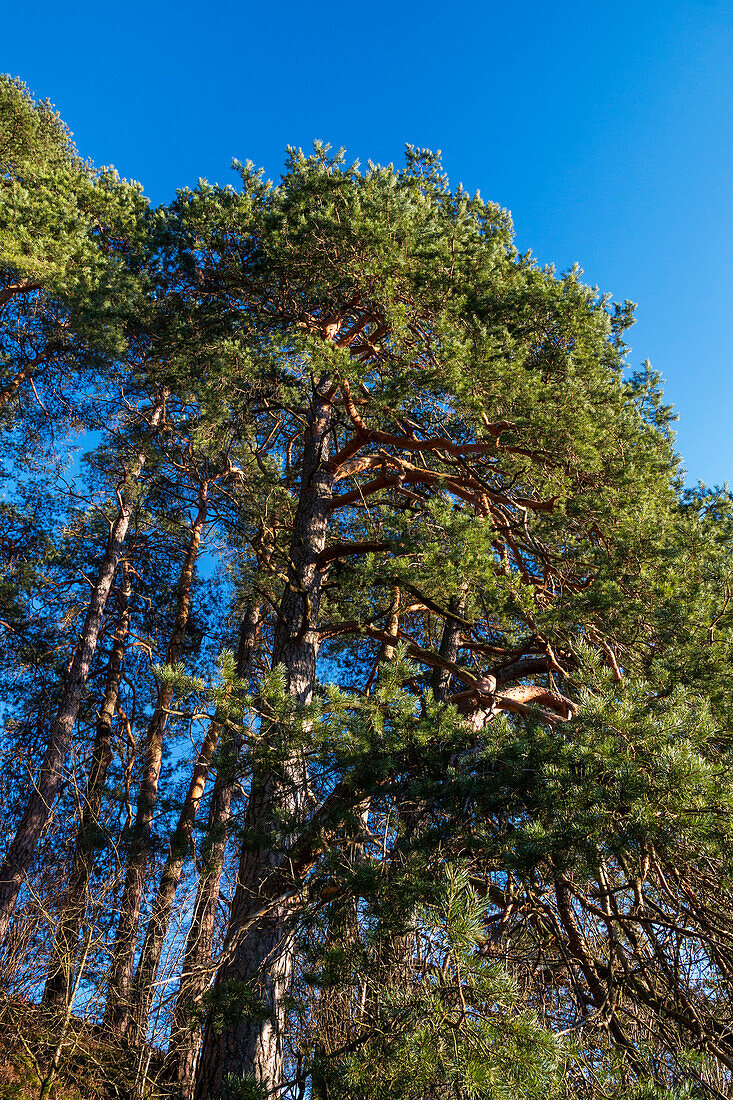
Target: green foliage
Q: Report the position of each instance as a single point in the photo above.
(244, 1088)
(458, 1030)
(231, 1000)
(61, 221)
(493, 633)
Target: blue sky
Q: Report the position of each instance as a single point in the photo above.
(607, 130)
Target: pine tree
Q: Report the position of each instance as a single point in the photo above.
(458, 823)
(477, 405)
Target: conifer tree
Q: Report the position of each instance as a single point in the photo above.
(476, 404)
(456, 821)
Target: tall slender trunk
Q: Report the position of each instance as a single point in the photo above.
(185, 1036)
(178, 851)
(259, 948)
(46, 787)
(119, 989)
(61, 968)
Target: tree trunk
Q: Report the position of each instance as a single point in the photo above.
(61, 968)
(119, 989)
(258, 948)
(185, 1037)
(450, 645)
(46, 787)
(179, 849)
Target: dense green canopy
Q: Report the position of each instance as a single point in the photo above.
(366, 687)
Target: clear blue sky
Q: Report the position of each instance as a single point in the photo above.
(606, 128)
